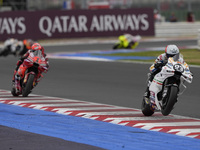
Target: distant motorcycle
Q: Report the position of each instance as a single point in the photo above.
(15, 47)
(36, 65)
(127, 41)
(9, 47)
(165, 87)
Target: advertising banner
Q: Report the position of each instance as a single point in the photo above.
(76, 23)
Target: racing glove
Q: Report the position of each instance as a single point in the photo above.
(159, 65)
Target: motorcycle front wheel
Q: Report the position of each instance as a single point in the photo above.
(117, 46)
(170, 100)
(29, 85)
(4, 52)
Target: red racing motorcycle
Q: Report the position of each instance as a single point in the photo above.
(36, 65)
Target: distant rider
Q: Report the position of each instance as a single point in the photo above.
(20, 69)
(170, 51)
(127, 41)
(27, 43)
(16, 47)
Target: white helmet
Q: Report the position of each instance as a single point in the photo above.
(171, 50)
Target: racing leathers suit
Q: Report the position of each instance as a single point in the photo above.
(155, 68)
(20, 69)
(127, 41)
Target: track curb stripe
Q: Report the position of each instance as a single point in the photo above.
(173, 124)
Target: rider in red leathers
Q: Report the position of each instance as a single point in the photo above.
(20, 69)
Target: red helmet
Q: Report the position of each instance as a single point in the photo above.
(36, 46)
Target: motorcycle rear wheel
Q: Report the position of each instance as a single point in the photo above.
(146, 108)
(13, 92)
(170, 101)
(29, 85)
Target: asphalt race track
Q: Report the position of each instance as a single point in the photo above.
(115, 83)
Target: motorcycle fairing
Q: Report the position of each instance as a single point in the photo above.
(167, 71)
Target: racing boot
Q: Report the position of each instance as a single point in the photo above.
(19, 62)
(150, 79)
(13, 78)
(152, 101)
(147, 92)
(17, 84)
(153, 105)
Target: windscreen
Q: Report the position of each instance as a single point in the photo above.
(176, 57)
(37, 53)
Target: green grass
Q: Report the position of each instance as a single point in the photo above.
(191, 56)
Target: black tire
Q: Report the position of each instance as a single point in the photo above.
(13, 92)
(29, 85)
(117, 46)
(1, 53)
(4, 52)
(146, 108)
(170, 101)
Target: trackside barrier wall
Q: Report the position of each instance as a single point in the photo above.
(76, 23)
(176, 29)
(90, 23)
(198, 39)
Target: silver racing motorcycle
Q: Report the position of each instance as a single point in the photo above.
(166, 86)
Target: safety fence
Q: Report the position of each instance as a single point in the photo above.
(175, 29)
